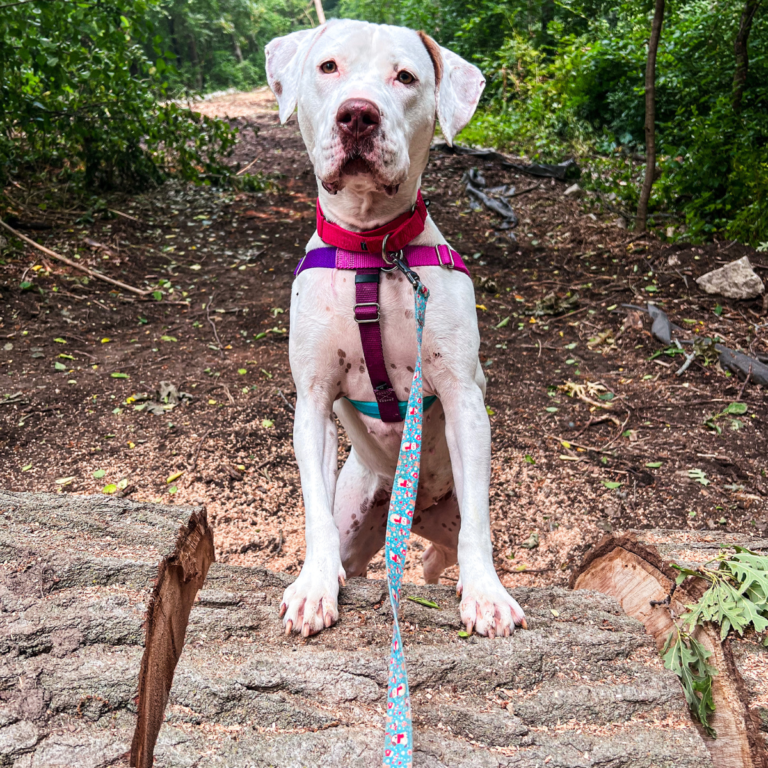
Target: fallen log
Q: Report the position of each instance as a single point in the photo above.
(634, 568)
(583, 686)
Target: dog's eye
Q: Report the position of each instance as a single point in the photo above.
(405, 77)
(328, 67)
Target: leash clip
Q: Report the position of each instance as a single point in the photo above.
(410, 275)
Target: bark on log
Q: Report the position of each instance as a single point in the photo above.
(584, 686)
(635, 568)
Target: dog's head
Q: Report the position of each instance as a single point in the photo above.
(368, 96)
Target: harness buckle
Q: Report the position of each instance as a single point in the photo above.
(368, 304)
(445, 265)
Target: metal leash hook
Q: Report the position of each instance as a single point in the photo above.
(397, 262)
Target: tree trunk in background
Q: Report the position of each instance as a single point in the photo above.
(236, 49)
(320, 11)
(740, 48)
(650, 117)
(547, 15)
(193, 55)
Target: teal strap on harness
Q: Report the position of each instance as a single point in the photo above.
(372, 408)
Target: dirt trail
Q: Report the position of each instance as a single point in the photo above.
(223, 262)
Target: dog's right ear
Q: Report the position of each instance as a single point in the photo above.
(285, 62)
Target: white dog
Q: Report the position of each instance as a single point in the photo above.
(368, 97)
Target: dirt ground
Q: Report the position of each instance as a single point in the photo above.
(76, 357)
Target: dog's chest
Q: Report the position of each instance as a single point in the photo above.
(326, 340)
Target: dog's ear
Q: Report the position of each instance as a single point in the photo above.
(459, 85)
(285, 62)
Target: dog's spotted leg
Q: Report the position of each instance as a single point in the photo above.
(360, 512)
(311, 602)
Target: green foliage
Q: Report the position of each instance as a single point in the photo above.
(737, 599)
(80, 99)
(218, 44)
(567, 78)
(687, 658)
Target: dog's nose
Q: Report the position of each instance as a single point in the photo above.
(358, 118)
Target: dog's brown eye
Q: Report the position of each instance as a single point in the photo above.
(329, 67)
(405, 77)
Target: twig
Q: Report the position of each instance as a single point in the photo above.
(619, 433)
(243, 170)
(285, 399)
(193, 464)
(74, 264)
(211, 323)
(578, 445)
(125, 215)
(523, 191)
(746, 381)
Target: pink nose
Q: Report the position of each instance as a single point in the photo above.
(358, 118)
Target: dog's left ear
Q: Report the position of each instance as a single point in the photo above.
(285, 61)
(459, 87)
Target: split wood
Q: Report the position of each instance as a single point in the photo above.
(69, 262)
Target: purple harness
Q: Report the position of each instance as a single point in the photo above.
(368, 267)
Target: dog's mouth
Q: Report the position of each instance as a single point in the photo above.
(357, 166)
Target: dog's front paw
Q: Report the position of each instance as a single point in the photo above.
(311, 603)
(488, 608)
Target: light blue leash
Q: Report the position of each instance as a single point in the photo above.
(398, 737)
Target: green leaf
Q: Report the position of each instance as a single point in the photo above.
(530, 458)
(111, 488)
(687, 658)
(736, 409)
(423, 601)
(59, 366)
(653, 464)
(157, 295)
(168, 338)
(117, 375)
(99, 474)
(503, 323)
(463, 634)
(490, 410)
(699, 475)
(242, 371)
(552, 409)
(611, 484)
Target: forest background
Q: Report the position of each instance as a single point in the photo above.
(93, 94)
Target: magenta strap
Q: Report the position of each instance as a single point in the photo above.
(368, 319)
(414, 255)
(368, 267)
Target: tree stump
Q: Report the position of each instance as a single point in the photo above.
(584, 686)
(635, 568)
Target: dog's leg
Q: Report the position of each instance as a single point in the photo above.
(311, 602)
(360, 511)
(486, 605)
(439, 524)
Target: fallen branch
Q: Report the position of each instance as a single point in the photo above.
(69, 262)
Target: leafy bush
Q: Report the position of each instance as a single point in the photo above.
(80, 99)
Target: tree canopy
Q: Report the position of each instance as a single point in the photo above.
(92, 90)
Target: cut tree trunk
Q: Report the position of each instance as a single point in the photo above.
(650, 117)
(584, 686)
(635, 569)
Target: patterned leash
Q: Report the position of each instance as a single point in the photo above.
(398, 738)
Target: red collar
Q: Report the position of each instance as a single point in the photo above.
(397, 234)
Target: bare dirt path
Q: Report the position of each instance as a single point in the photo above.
(76, 358)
